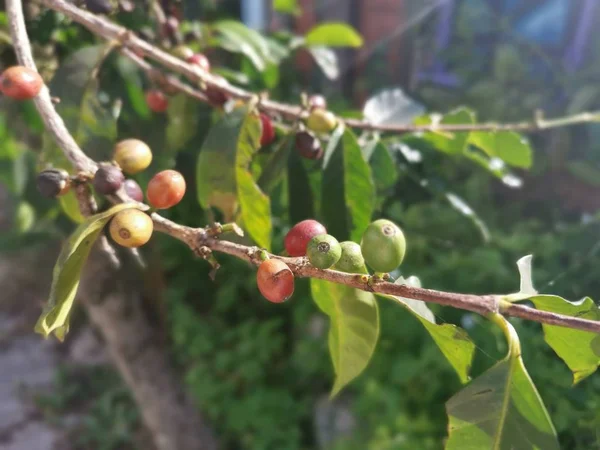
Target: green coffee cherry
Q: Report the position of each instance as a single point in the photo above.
(323, 251)
(321, 121)
(352, 260)
(383, 245)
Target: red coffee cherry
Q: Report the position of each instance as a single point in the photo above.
(275, 280)
(157, 101)
(300, 235)
(317, 101)
(216, 96)
(20, 83)
(268, 132)
(108, 179)
(165, 189)
(131, 228)
(308, 145)
(133, 190)
(200, 60)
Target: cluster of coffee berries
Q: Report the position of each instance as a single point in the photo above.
(20, 83)
(382, 248)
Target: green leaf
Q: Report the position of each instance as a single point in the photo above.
(333, 34)
(509, 146)
(500, 410)
(67, 271)
(327, 60)
(287, 7)
(580, 350)
(383, 166)
(92, 123)
(300, 194)
(274, 169)
(70, 206)
(348, 191)
(183, 121)
(453, 143)
(453, 341)
(223, 176)
(353, 330)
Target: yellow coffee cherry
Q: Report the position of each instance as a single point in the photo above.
(132, 155)
(131, 228)
(321, 121)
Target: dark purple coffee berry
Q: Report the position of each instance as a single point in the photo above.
(108, 179)
(53, 182)
(308, 145)
(133, 190)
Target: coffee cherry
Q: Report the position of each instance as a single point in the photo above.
(383, 245)
(157, 101)
(108, 179)
(297, 239)
(275, 280)
(53, 182)
(321, 121)
(308, 145)
(133, 190)
(268, 132)
(20, 83)
(171, 25)
(200, 60)
(99, 6)
(165, 189)
(131, 228)
(323, 251)
(132, 155)
(317, 102)
(352, 260)
(183, 52)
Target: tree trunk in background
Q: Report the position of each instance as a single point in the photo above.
(114, 305)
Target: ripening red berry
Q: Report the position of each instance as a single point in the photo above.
(157, 101)
(165, 189)
(300, 235)
(133, 190)
(275, 280)
(215, 95)
(20, 83)
(200, 60)
(268, 132)
(308, 145)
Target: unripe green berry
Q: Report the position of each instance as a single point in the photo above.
(383, 245)
(321, 121)
(323, 251)
(352, 260)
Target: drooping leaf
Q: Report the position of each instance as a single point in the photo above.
(300, 194)
(353, 329)
(223, 176)
(348, 191)
(500, 410)
(333, 34)
(183, 121)
(526, 289)
(91, 122)
(453, 143)
(70, 206)
(391, 107)
(274, 169)
(287, 7)
(510, 147)
(67, 271)
(453, 341)
(327, 60)
(580, 350)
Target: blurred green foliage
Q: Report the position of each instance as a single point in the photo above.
(259, 372)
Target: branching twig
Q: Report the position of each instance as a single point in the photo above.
(109, 30)
(196, 238)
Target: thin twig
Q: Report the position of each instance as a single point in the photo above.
(109, 30)
(197, 238)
